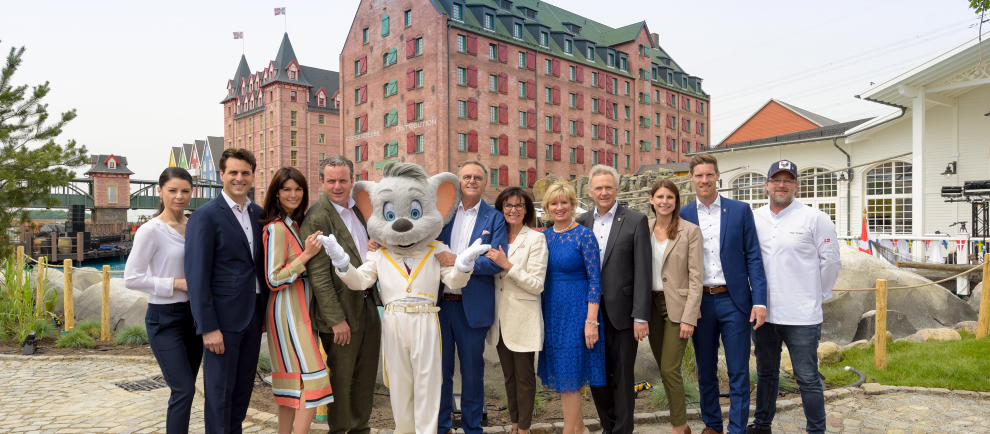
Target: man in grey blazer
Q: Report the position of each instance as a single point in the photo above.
(627, 272)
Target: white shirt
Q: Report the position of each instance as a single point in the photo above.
(243, 217)
(603, 225)
(801, 260)
(710, 222)
(658, 248)
(155, 262)
(354, 226)
(460, 233)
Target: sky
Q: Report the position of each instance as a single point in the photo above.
(146, 76)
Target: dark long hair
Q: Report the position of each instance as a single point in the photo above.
(530, 218)
(272, 209)
(675, 217)
(167, 175)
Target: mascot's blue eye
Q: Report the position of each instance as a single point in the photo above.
(415, 210)
(388, 211)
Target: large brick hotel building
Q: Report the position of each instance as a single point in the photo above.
(523, 86)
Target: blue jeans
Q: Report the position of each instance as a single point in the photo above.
(179, 350)
(802, 344)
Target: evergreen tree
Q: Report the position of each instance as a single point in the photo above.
(31, 162)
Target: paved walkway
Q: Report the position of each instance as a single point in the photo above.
(79, 394)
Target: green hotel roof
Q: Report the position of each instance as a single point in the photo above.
(554, 19)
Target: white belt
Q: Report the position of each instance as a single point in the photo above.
(413, 308)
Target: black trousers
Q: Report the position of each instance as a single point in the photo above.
(173, 340)
(228, 378)
(615, 401)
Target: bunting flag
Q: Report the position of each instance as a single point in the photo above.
(238, 35)
(864, 239)
(280, 11)
(927, 242)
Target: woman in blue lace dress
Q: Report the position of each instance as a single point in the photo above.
(573, 355)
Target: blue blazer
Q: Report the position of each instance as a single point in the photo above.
(479, 294)
(739, 251)
(222, 272)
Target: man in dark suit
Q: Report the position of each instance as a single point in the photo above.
(627, 270)
(223, 260)
(347, 321)
(734, 296)
(467, 313)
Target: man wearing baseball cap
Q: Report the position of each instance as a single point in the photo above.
(801, 260)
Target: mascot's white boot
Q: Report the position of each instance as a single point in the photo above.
(405, 213)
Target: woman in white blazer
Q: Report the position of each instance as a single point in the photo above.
(517, 331)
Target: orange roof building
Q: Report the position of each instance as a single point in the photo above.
(773, 119)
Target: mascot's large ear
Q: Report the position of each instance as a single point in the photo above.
(362, 196)
(448, 189)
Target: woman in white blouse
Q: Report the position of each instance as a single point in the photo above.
(155, 267)
(518, 326)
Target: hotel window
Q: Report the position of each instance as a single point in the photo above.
(627, 136)
(461, 109)
(461, 76)
(615, 86)
(489, 22)
(627, 113)
(321, 139)
(572, 73)
(568, 46)
(493, 114)
(419, 111)
(572, 100)
(292, 118)
(391, 149)
(623, 65)
(522, 149)
(357, 125)
(819, 189)
(573, 128)
(461, 142)
(391, 118)
(385, 26)
(492, 52)
(112, 193)
(364, 35)
(522, 179)
(493, 145)
(611, 60)
(594, 105)
(390, 57)
(522, 59)
(323, 156)
(419, 144)
(293, 138)
(701, 107)
(294, 158)
(494, 173)
(627, 161)
(292, 96)
(419, 78)
(357, 153)
(549, 152)
(544, 39)
(517, 29)
(408, 17)
(522, 89)
(357, 96)
(888, 198)
(461, 43)
(549, 123)
(419, 46)
(548, 66)
(594, 131)
(627, 87)
(457, 12)
(750, 188)
(391, 88)
(573, 155)
(594, 157)
(492, 83)
(522, 119)
(594, 78)
(590, 53)
(548, 95)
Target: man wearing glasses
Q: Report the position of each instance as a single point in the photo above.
(467, 313)
(801, 260)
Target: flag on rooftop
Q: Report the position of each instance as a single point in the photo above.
(280, 11)
(238, 35)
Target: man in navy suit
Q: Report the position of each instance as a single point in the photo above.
(734, 297)
(223, 273)
(466, 314)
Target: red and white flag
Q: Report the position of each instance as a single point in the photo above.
(864, 239)
(280, 11)
(238, 35)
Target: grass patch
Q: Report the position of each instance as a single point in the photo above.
(958, 365)
(539, 403)
(75, 339)
(264, 363)
(133, 335)
(90, 327)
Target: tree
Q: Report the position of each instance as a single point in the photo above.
(31, 162)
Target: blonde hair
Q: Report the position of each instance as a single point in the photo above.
(555, 191)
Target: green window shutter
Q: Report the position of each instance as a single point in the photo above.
(393, 87)
(391, 57)
(392, 118)
(385, 25)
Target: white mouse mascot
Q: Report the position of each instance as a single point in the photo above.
(405, 213)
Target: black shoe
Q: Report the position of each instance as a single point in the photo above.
(758, 429)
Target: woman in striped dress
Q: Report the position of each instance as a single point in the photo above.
(300, 379)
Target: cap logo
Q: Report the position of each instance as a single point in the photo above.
(784, 164)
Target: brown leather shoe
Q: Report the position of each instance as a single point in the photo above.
(708, 430)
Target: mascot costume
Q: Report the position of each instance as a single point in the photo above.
(405, 213)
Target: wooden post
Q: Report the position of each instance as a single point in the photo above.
(880, 338)
(105, 306)
(54, 247)
(80, 248)
(983, 322)
(39, 289)
(67, 301)
(20, 265)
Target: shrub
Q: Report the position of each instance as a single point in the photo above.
(133, 335)
(90, 327)
(75, 339)
(264, 363)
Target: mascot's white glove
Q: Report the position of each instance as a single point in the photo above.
(334, 251)
(465, 260)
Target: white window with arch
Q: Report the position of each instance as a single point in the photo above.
(819, 189)
(888, 198)
(750, 188)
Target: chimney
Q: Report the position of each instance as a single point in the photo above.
(656, 39)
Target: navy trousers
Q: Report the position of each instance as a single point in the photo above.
(469, 343)
(721, 318)
(229, 377)
(173, 340)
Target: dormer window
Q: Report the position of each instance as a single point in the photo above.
(545, 39)
(623, 65)
(321, 101)
(611, 60)
(573, 28)
(292, 75)
(489, 22)
(568, 46)
(590, 53)
(457, 12)
(111, 163)
(529, 13)
(685, 82)
(517, 30)
(670, 77)
(505, 5)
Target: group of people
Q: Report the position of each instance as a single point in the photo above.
(568, 303)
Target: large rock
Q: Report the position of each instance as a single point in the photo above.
(929, 306)
(939, 334)
(127, 307)
(974, 298)
(969, 326)
(897, 324)
(829, 352)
